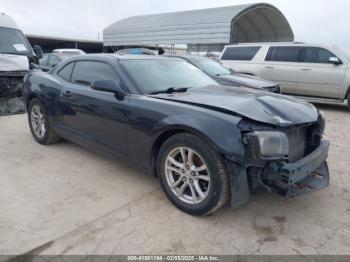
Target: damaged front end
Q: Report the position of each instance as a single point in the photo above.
(11, 101)
(288, 160)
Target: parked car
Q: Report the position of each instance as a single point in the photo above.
(17, 57)
(72, 51)
(229, 77)
(205, 142)
(315, 72)
(48, 61)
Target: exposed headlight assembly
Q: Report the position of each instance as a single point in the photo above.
(272, 144)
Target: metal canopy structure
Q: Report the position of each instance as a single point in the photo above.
(204, 28)
(49, 43)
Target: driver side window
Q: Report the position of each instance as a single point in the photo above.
(85, 72)
(317, 55)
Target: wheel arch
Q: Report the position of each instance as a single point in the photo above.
(30, 98)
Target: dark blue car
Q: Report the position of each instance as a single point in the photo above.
(207, 144)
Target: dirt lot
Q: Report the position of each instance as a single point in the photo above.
(63, 199)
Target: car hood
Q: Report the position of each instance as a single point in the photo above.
(9, 62)
(274, 109)
(247, 80)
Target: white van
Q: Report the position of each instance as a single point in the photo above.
(314, 72)
(16, 56)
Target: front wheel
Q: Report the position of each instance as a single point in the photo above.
(39, 123)
(192, 175)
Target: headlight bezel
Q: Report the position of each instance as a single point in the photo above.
(271, 145)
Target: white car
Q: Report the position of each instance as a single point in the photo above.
(69, 51)
(314, 72)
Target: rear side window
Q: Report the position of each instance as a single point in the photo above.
(284, 54)
(317, 55)
(245, 53)
(66, 72)
(85, 72)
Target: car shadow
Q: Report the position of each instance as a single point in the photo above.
(331, 107)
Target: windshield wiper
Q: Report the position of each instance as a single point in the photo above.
(171, 90)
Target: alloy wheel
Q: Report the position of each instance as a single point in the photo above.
(187, 175)
(38, 121)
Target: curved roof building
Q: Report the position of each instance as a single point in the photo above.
(215, 26)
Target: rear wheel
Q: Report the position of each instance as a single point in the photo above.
(192, 175)
(39, 124)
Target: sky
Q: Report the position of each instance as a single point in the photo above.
(315, 21)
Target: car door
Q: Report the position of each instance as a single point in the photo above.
(282, 63)
(318, 77)
(94, 117)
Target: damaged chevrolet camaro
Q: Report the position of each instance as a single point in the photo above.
(207, 144)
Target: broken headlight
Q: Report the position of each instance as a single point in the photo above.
(271, 144)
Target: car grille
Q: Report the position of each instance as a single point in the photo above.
(297, 143)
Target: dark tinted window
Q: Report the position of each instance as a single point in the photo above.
(284, 54)
(246, 53)
(66, 72)
(86, 72)
(317, 55)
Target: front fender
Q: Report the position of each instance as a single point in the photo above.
(225, 137)
(221, 132)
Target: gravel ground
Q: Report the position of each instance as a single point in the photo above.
(64, 199)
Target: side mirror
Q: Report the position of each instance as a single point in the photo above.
(110, 86)
(38, 51)
(334, 60)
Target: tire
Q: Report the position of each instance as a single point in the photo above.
(46, 135)
(349, 101)
(213, 182)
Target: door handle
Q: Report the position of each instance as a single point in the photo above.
(67, 94)
(269, 67)
(306, 69)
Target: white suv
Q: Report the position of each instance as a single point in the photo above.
(315, 72)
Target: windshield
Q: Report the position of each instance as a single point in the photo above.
(158, 75)
(210, 66)
(13, 41)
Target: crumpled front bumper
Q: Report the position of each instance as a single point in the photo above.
(305, 176)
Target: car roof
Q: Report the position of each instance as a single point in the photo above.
(104, 57)
(301, 44)
(121, 57)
